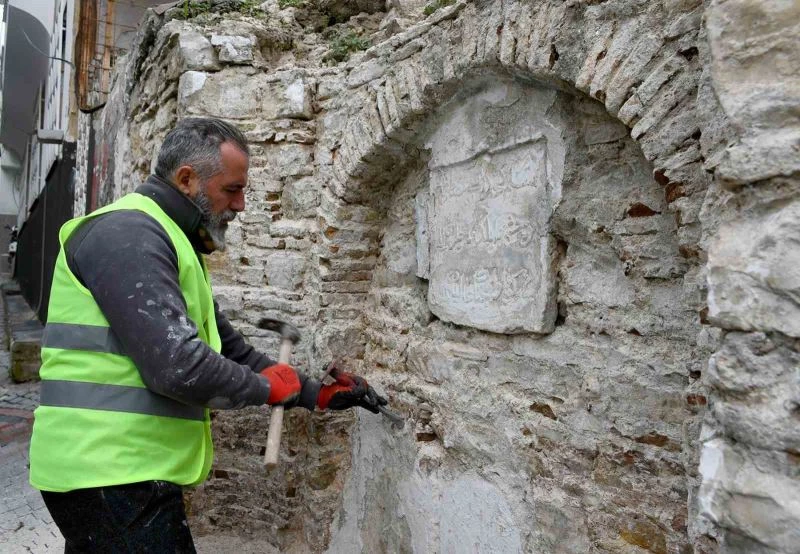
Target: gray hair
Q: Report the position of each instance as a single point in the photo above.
(196, 142)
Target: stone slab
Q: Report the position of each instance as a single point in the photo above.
(483, 234)
(239, 94)
(196, 52)
(491, 260)
(756, 78)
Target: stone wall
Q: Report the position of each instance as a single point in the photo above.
(82, 178)
(558, 235)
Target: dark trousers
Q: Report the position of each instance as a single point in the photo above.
(140, 517)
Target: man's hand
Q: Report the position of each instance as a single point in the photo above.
(284, 385)
(349, 391)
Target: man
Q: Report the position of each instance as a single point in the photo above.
(136, 351)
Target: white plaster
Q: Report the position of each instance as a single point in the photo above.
(295, 94)
(476, 518)
(710, 466)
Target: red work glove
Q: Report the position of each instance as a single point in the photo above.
(284, 385)
(348, 391)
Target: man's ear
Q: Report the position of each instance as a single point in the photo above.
(186, 180)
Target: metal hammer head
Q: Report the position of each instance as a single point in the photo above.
(286, 330)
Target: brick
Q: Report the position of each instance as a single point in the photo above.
(521, 36)
(489, 41)
(508, 35)
(615, 55)
(535, 39)
(629, 72)
(670, 133)
(663, 102)
(600, 44)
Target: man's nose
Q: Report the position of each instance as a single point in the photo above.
(237, 204)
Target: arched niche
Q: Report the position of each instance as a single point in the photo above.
(568, 390)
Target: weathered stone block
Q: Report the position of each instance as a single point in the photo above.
(754, 273)
(290, 97)
(24, 334)
(26, 357)
(189, 85)
(228, 94)
(366, 72)
(290, 228)
(754, 72)
(234, 49)
(737, 494)
(770, 154)
(238, 93)
(197, 52)
(756, 77)
(757, 378)
(301, 197)
(289, 160)
(286, 270)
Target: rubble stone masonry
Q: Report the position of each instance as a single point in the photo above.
(561, 236)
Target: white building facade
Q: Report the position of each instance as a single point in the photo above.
(37, 77)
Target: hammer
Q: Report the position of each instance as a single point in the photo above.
(289, 336)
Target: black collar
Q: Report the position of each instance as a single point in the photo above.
(180, 209)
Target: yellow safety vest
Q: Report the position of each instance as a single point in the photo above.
(97, 424)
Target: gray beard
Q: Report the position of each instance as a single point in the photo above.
(216, 225)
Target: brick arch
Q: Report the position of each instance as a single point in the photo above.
(651, 87)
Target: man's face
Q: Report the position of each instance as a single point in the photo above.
(221, 197)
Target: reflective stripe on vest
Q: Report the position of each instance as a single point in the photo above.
(69, 336)
(117, 398)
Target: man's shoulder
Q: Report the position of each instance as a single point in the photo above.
(116, 231)
(109, 225)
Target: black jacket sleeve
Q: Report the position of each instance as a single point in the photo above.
(235, 348)
(129, 264)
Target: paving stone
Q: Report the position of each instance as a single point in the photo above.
(25, 523)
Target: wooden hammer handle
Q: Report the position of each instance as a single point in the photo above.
(276, 417)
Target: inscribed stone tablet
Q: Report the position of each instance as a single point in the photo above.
(484, 236)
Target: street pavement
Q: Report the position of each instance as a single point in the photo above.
(25, 523)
